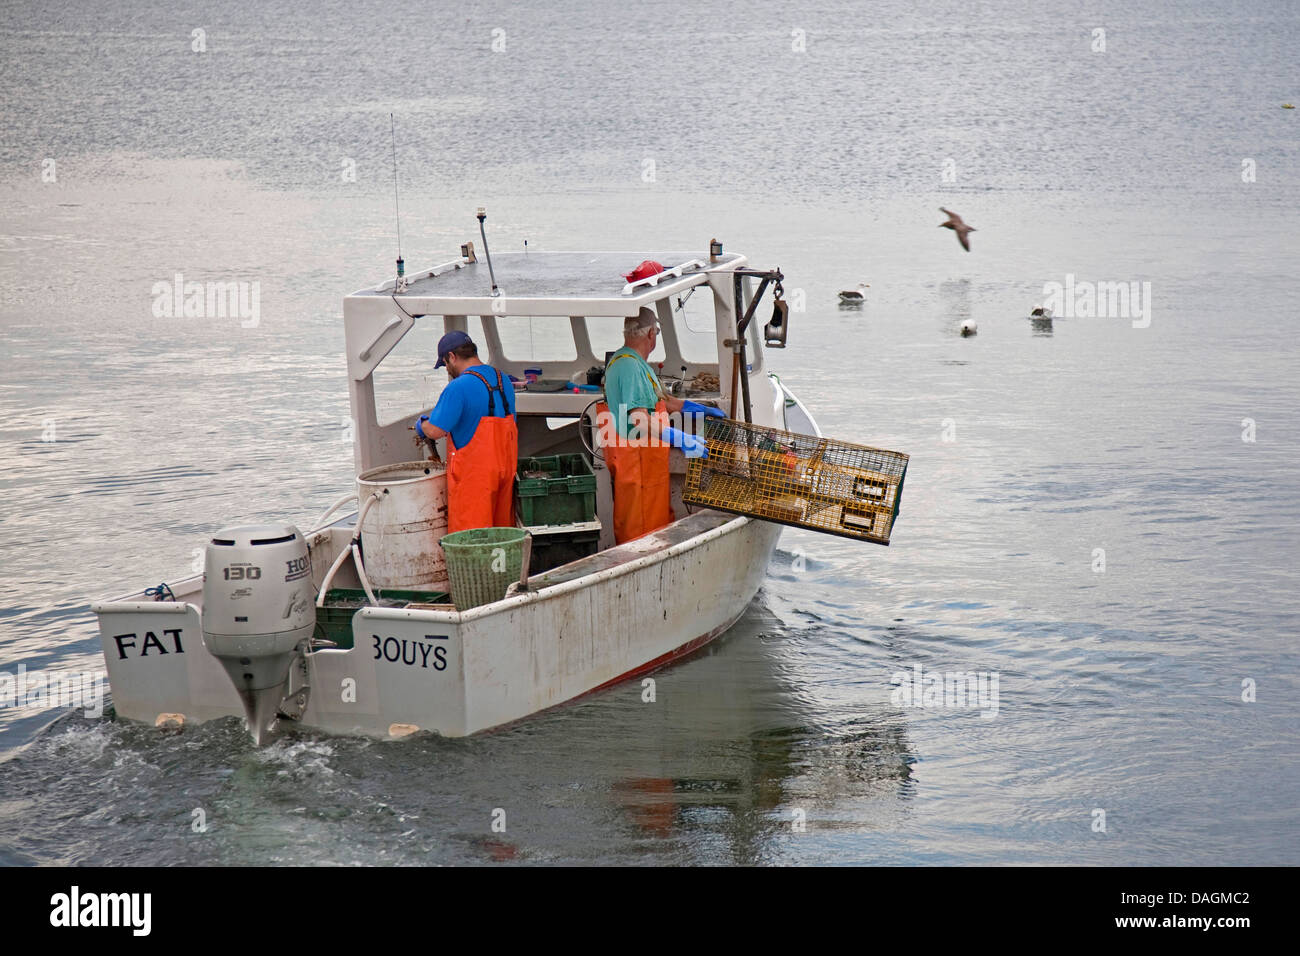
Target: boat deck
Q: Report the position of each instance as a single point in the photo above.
(661, 540)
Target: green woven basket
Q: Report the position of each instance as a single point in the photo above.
(481, 564)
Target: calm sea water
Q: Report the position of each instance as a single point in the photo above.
(821, 138)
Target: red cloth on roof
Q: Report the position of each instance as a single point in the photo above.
(647, 268)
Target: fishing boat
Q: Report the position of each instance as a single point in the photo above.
(345, 626)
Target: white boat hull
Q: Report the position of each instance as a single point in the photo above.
(458, 673)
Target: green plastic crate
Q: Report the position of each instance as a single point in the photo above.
(552, 550)
(334, 618)
(567, 495)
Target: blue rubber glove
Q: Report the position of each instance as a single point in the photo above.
(695, 408)
(419, 428)
(692, 446)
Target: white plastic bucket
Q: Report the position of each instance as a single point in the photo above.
(402, 530)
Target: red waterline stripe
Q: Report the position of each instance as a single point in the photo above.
(688, 648)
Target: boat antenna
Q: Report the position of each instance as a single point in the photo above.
(400, 285)
(482, 217)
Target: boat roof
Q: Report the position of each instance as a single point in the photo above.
(582, 283)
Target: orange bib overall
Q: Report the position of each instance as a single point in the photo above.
(481, 476)
(639, 471)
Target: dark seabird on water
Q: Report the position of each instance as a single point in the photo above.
(956, 225)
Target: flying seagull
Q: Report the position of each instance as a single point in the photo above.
(956, 225)
(855, 296)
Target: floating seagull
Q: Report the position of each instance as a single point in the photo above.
(855, 296)
(956, 225)
(1041, 313)
(968, 328)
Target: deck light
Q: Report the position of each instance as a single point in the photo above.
(715, 250)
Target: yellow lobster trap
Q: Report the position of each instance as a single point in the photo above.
(798, 480)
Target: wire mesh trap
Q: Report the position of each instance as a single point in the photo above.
(798, 480)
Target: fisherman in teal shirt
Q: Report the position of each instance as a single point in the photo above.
(637, 453)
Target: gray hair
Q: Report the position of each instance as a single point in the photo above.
(639, 326)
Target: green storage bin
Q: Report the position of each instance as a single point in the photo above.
(565, 494)
(552, 550)
(334, 617)
(335, 624)
(482, 563)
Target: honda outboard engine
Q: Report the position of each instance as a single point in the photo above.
(258, 604)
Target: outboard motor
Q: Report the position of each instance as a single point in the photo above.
(258, 605)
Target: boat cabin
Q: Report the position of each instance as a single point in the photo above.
(552, 318)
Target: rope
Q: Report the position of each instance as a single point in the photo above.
(161, 593)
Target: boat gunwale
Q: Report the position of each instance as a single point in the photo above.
(508, 603)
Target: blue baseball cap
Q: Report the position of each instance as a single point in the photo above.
(452, 340)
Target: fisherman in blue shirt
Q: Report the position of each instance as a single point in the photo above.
(476, 414)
